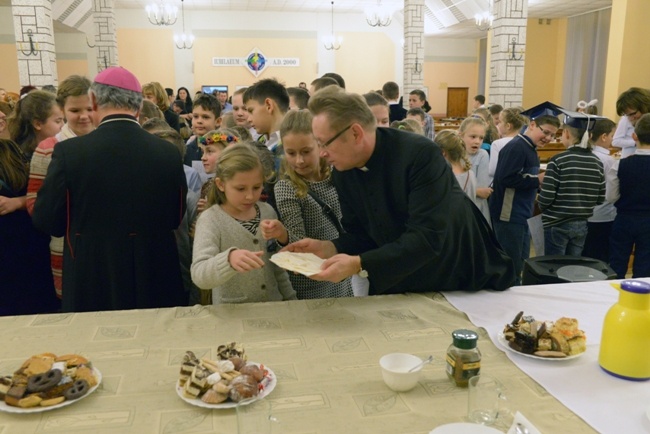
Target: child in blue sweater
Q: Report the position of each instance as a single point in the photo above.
(516, 181)
(632, 223)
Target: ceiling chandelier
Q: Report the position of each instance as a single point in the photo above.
(332, 42)
(379, 15)
(161, 15)
(184, 41)
(484, 20)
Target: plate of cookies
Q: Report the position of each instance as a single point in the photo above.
(224, 382)
(556, 340)
(46, 382)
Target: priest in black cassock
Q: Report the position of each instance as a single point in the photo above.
(116, 195)
(409, 226)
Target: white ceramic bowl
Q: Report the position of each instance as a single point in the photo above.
(394, 369)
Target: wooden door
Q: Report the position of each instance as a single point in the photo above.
(457, 102)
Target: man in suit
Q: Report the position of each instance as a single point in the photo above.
(409, 226)
(116, 195)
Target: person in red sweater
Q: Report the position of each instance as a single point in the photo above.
(73, 99)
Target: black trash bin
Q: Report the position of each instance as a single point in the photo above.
(562, 269)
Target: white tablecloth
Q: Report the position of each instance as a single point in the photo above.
(608, 404)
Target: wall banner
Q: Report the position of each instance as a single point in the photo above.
(256, 62)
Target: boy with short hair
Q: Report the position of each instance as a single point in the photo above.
(321, 83)
(516, 181)
(390, 91)
(574, 183)
(625, 182)
(267, 102)
(206, 116)
(479, 102)
(417, 98)
(418, 115)
(298, 98)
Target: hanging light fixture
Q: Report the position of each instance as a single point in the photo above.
(379, 15)
(484, 20)
(184, 41)
(162, 15)
(332, 42)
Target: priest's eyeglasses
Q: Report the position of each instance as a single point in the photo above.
(336, 136)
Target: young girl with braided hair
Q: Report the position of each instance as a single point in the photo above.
(453, 149)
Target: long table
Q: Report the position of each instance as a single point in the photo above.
(325, 354)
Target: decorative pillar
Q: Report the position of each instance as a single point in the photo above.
(413, 47)
(507, 65)
(105, 34)
(34, 35)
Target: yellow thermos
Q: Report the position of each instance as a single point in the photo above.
(625, 342)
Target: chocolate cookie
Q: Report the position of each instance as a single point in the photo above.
(79, 388)
(44, 381)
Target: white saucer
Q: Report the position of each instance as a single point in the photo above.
(464, 428)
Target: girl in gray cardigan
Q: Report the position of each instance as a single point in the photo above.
(230, 254)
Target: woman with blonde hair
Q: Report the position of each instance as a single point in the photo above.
(155, 93)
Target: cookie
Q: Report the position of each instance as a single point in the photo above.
(44, 381)
(52, 401)
(85, 373)
(79, 388)
(30, 401)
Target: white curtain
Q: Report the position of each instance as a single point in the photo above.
(586, 59)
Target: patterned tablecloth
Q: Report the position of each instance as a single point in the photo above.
(324, 352)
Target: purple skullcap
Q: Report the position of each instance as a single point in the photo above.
(117, 76)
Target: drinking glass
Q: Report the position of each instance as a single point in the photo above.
(255, 417)
(486, 400)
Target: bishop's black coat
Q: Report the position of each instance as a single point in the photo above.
(116, 194)
(413, 226)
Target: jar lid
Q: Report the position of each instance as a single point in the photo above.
(464, 339)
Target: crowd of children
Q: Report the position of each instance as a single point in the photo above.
(257, 182)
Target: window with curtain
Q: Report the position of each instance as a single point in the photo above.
(586, 58)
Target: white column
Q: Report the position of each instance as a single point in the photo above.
(506, 67)
(105, 34)
(36, 58)
(413, 47)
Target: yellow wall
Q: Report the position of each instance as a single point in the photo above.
(627, 60)
(633, 53)
(149, 54)
(9, 78)
(366, 61)
(206, 48)
(66, 68)
(438, 76)
(544, 61)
